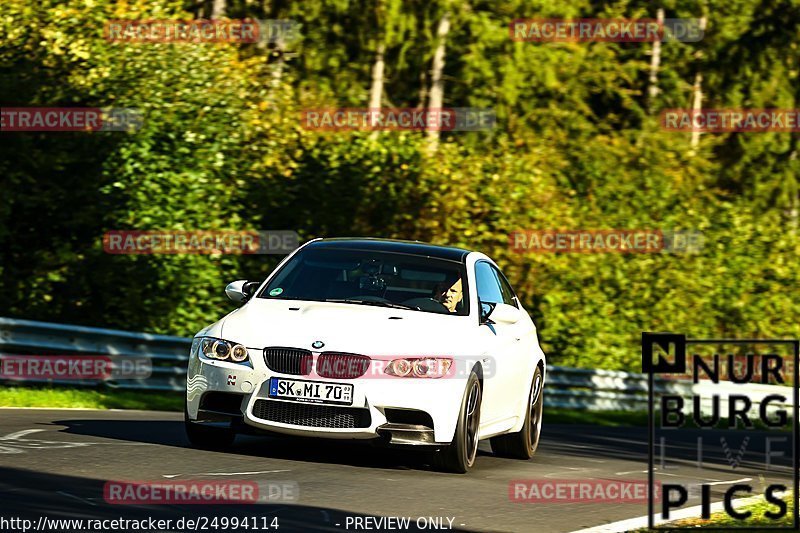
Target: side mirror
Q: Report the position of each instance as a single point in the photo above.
(241, 290)
(504, 314)
(486, 310)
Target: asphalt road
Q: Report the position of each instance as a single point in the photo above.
(55, 463)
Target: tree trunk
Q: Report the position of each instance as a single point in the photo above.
(436, 97)
(697, 96)
(697, 106)
(423, 89)
(279, 52)
(218, 9)
(655, 62)
(376, 88)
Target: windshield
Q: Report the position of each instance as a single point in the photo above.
(364, 277)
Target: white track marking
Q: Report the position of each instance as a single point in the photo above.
(729, 482)
(170, 476)
(8, 449)
(572, 469)
(18, 434)
(14, 443)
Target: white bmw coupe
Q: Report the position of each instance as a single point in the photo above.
(401, 342)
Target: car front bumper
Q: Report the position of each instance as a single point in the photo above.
(372, 415)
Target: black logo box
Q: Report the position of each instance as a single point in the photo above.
(678, 366)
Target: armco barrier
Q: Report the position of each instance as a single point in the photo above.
(576, 388)
(169, 355)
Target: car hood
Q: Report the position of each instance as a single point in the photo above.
(354, 328)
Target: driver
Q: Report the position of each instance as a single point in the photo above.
(451, 296)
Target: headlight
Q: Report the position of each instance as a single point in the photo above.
(238, 353)
(399, 367)
(220, 350)
(223, 350)
(421, 367)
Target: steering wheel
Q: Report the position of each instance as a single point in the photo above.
(368, 298)
(427, 304)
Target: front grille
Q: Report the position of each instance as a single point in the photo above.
(342, 365)
(288, 360)
(316, 416)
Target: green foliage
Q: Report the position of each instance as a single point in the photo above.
(575, 147)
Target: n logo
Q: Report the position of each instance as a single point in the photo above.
(663, 353)
(231, 380)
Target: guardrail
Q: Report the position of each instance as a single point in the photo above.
(611, 390)
(576, 388)
(169, 355)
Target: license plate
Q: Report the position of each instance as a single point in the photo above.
(311, 391)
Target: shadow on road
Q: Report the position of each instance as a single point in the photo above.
(30, 495)
(312, 450)
(618, 443)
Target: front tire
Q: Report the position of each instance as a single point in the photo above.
(207, 438)
(523, 444)
(460, 455)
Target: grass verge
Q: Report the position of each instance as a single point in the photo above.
(87, 398)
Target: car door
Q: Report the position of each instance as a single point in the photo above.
(505, 370)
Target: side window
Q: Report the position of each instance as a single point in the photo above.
(488, 287)
(505, 288)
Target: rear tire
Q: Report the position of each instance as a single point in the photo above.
(523, 444)
(207, 438)
(460, 455)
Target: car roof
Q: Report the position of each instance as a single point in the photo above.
(449, 253)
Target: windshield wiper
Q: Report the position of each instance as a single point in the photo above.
(370, 302)
(289, 298)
